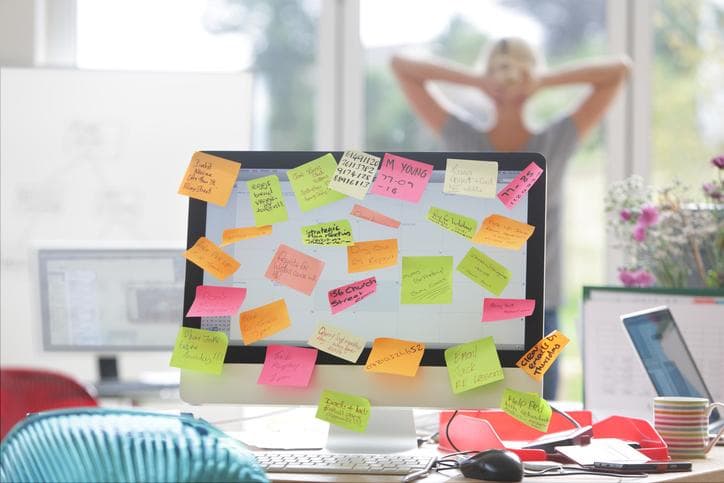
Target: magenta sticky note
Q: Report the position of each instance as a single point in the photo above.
(287, 366)
(347, 295)
(213, 301)
(402, 178)
(514, 191)
(504, 309)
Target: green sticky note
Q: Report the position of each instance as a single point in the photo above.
(333, 233)
(267, 201)
(427, 280)
(460, 224)
(473, 364)
(484, 271)
(528, 408)
(347, 411)
(199, 350)
(310, 183)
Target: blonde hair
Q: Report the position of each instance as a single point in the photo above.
(516, 48)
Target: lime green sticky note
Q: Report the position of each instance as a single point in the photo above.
(460, 224)
(473, 364)
(484, 271)
(310, 183)
(199, 350)
(427, 280)
(267, 201)
(345, 410)
(528, 408)
(333, 233)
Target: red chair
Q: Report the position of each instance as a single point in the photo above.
(24, 391)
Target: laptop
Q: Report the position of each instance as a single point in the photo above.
(666, 358)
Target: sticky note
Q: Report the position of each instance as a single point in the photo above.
(332, 233)
(336, 341)
(484, 271)
(207, 255)
(528, 408)
(354, 174)
(473, 364)
(514, 191)
(427, 280)
(346, 296)
(471, 178)
(213, 301)
(504, 309)
(459, 224)
(233, 235)
(371, 255)
(541, 356)
(199, 350)
(209, 178)
(347, 411)
(310, 183)
(287, 366)
(267, 200)
(294, 269)
(395, 356)
(263, 321)
(503, 232)
(402, 178)
(374, 216)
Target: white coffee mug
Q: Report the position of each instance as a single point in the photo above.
(683, 423)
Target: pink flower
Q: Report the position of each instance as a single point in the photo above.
(712, 191)
(639, 232)
(718, 161)
(625, 214)
(644, 278)
(627, 277)
(649, 216)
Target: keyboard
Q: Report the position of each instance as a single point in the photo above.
(319, 462)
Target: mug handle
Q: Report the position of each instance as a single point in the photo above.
(709, 409)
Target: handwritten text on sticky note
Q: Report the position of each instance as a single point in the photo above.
(503, 232)
(332, 233)
(267, 200)
(484, 271)
(473, 364)
(528, 408)
(460, 224)
(347, 295)
(471, 178)
(504, 309)
(287, 366)
(371, 255)
(354, 174)
(336, 341)
(310, 183)
(294, 269)
(541, 356)
(374, 216)
(514, 191)
(199, 350)
(427, 280)
(209, 178)
(345, 410)
(213, 301)
(207, 255)
(263, 321)
(233, 235)
(402, 178)
(395, 356)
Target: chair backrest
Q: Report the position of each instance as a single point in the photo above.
(24, 391)
(120, 445)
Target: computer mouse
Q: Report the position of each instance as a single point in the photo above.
(493, 465)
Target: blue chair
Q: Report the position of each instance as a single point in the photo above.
(118, 445)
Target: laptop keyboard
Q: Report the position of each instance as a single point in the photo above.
(318, 462)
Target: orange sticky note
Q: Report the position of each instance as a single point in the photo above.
(374, 216)
(261, 322)
(207, 255)
(501, 231)
(209, 178)
(370, 255)
(294, 269)
(541, 356)
(233, 235)
(395, 356)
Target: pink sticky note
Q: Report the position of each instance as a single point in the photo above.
(287, 366)
(514, 191)
(213, 301)
(504, 309)
(402, 178)
(294, 269)
(347, 295)
(374, 216)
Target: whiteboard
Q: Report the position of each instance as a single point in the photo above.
(614, 379)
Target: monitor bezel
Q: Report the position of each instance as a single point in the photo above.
(535, 261)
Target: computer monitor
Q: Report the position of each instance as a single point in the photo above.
(381, 315)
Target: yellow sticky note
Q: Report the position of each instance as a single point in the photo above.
(371, 255)
(528, 408)
(209, 178)
(501, 231)
(207, 255)
(199, 350)
(471, 178)
(395, 356)
(473, 364)
(541, 356)
(263, 321)
(336, 341)
(345, 410)
(484, 271)
(460, 224)
(233, 235)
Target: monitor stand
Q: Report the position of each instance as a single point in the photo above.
(390, 430)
